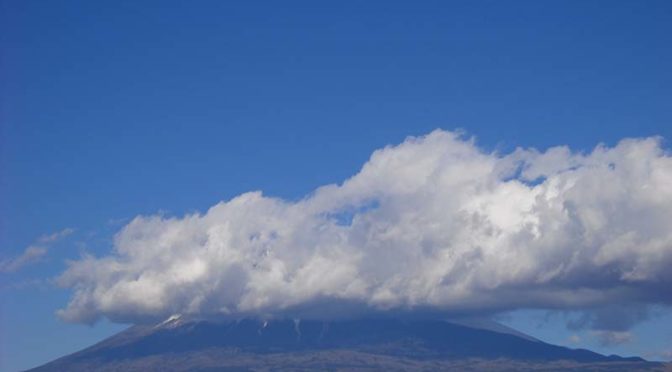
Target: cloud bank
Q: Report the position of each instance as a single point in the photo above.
(433, 224)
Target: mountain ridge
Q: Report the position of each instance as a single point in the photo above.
(178, 344)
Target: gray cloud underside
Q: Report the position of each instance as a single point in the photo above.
(432, 224)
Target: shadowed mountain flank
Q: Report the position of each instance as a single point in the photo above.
(179, 344)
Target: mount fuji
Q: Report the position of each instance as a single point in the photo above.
(183, 344)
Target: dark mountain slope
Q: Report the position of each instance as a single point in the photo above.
(177, 344)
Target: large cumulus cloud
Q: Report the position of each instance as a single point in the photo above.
(432, 224)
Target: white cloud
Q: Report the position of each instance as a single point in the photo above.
(433, 224)
(46, 239)
(32, 253)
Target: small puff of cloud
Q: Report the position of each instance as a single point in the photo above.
(612, 338)
(574, 339)
(32, 253)
(432, 224)
(47, 239)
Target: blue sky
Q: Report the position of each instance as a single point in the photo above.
(116, 109)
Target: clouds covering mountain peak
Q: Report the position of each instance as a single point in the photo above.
(432, 224)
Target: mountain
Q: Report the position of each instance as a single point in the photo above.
(180, 344)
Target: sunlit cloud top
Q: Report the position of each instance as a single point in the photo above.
(432, 224)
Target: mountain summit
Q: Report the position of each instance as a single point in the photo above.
(180, 344)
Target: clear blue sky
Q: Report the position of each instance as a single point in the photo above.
(118, 108)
